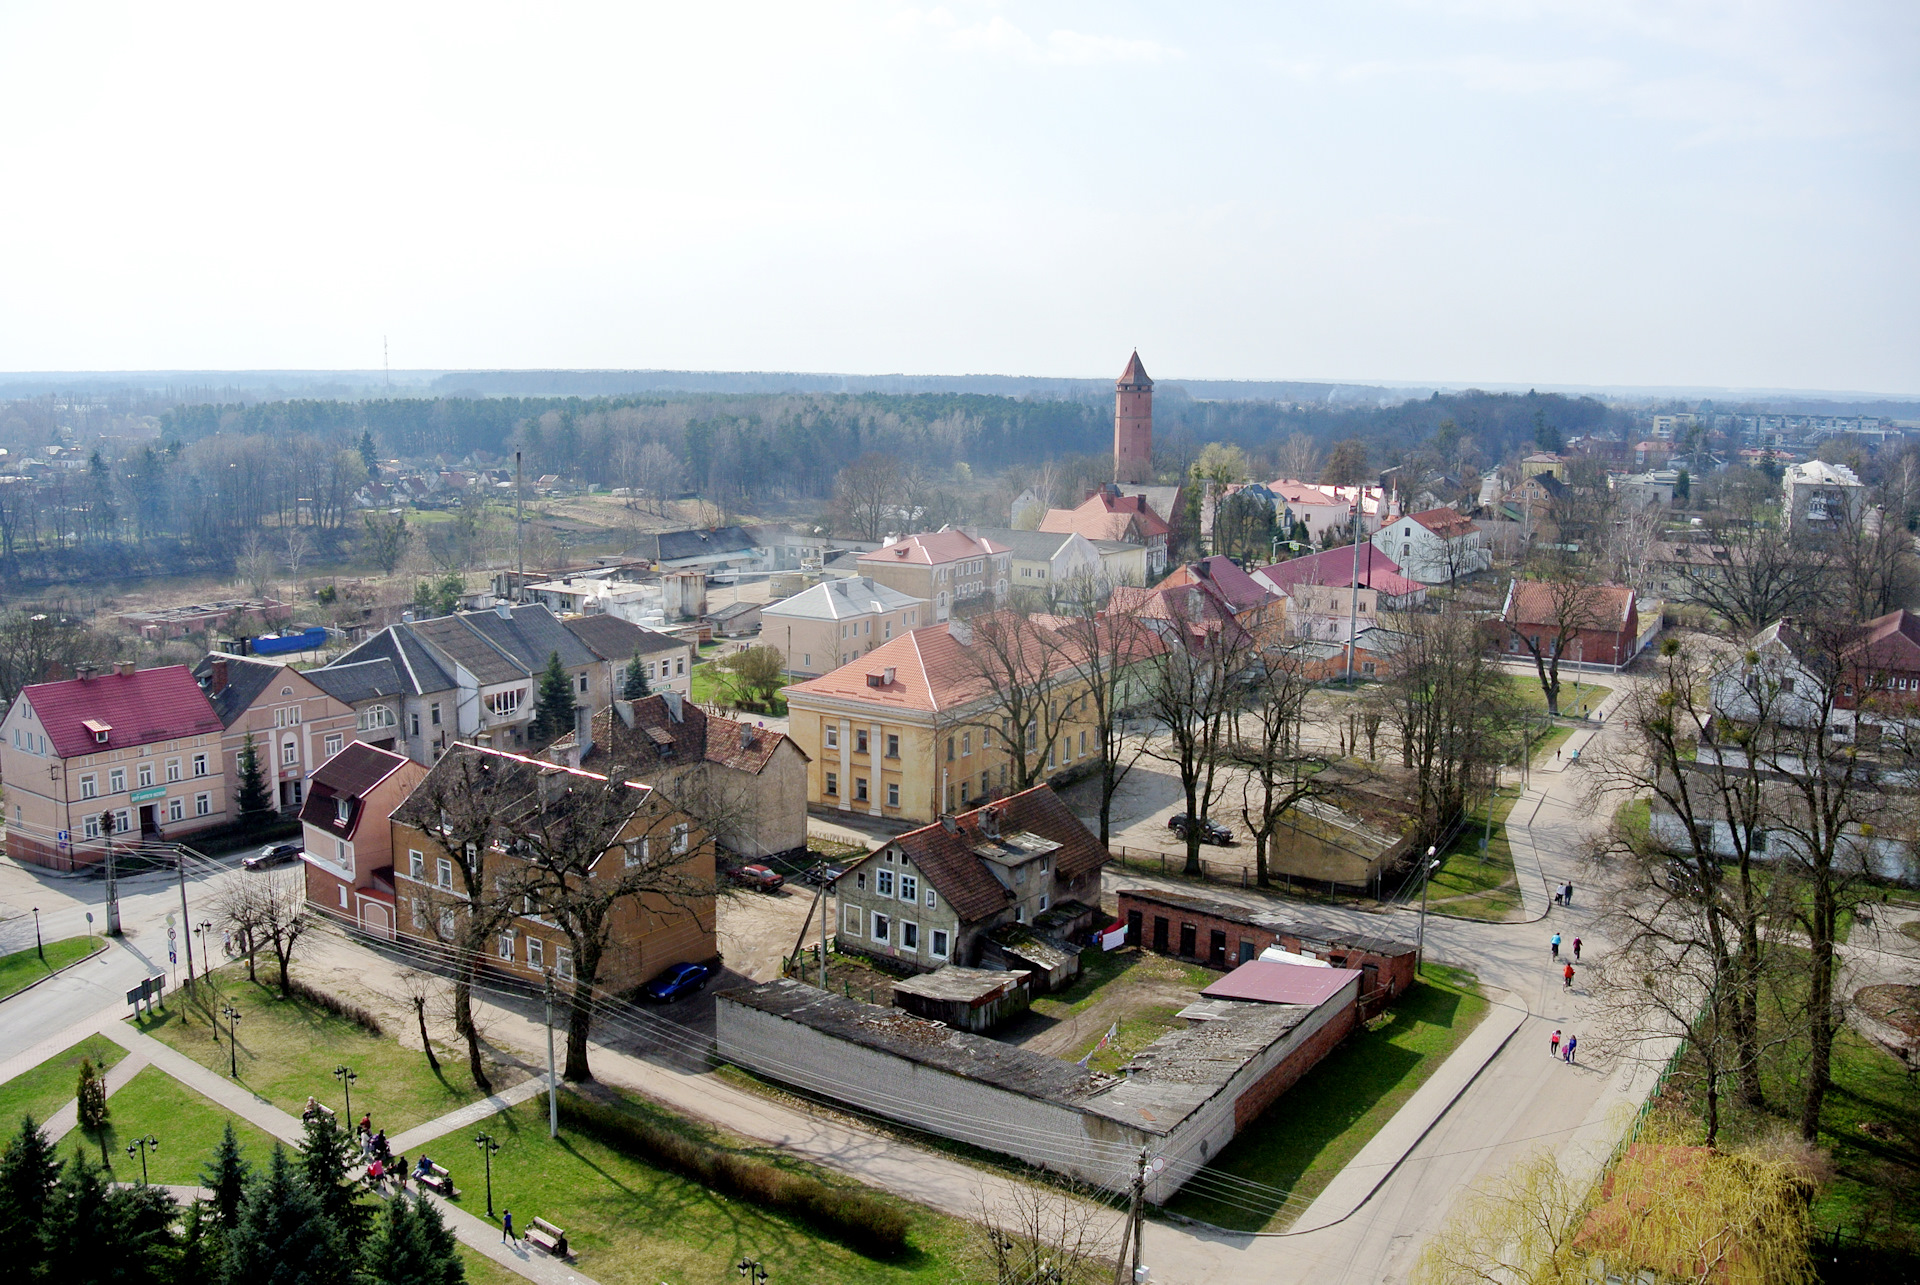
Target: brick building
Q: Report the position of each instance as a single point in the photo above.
(1222, 935)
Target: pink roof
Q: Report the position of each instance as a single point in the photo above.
(1296, 492)
(1267, 981)
(1334, 567)
(1241, 590)
(935, 548)
(140, 708)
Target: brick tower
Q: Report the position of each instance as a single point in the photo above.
(1133, 424)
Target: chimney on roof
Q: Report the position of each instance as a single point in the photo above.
(948, 824)
(746, 736)
(84, 672)
(672, 698)
(624, 708)
(219, 675)
(124, 668)
(503, 609)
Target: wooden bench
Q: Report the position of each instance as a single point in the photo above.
(437, 1179)
(320, 1110)
(548, 1237)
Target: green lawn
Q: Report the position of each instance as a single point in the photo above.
(1467, 886)
(482, 1270)
(1321, 1123)
(25, 967)
(1573, 702)
(289, 1049)
(49, 1086)
(632, 1222)
(187, 1125)
(708, 688)
(1544, 746)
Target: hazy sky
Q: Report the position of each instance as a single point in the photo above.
(1614, 192)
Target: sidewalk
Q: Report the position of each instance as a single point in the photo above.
(254, 1110)
(472, 1113)
(67, 1118)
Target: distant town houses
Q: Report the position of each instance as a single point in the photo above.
(947, 568)
(294, 724)
(1436, 547)
(837, 621)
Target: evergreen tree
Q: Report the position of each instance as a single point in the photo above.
(367, 454)
(29, 1170)
(411, 1243)
(636, 686)
(284, 1236)
(553, 710)
(226, 1177)
(91, 1103)
(255, 796)
(97, 1232)
(327, 1155)
(1682, 485)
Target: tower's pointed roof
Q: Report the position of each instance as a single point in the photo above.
(1135, 373)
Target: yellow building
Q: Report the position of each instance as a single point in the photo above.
(913, 728)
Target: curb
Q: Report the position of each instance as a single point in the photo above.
(56, 972)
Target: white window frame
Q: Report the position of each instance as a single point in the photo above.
(506, 945)
(90, 786)
(416, 864)
(90, 826)
(173, 770)
(882, 926)
(682, 837)
(116, 780)
(909, 936)
(203, 805)
(443, 873)
(855, 918)
(334, 744)
(199, 765)
(831, 738)
(536, 953)
(883, 882)
(933, 899)
(938, 943)
(563, 960)
(144, 774)
(893, 794)
(176, 809)
(909, 888)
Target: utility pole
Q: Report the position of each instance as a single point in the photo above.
(553, 1081)
(186, 919)
(1132, 1234)
(519, 551)
(1353, 604)
(113, 887)
(825, 890)
(1420, 942)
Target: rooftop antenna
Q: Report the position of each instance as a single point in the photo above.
(385, 369)
(519, 554)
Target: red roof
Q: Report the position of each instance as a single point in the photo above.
(1105, 516)
(1536, 602)
(935, 548)
(1444, 523)
(1267, 981)
(1242, 591)
(1135, 374)
(1334, 568)
(138, 708)
(1889, 642)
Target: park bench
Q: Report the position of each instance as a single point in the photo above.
(437, 1179)
(318, 1109)
(548, 1237)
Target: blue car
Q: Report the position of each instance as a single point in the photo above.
(677, 982)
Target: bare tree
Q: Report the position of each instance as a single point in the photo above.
(866, 494)
(299, 546)
(386, 540)
(1299, 458)
(1278, 772)
(1019, 665)
(417, 990)
(1107, 652)
(1750, 574)
(1451, 707)
(255, 564)
(656, 473)
(1555, 612)
(1057, 1233)
(269, 911)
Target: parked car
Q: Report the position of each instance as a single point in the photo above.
(758, 877)
(822, 874)
(678, 982)
(274, 854)
(1210, 831)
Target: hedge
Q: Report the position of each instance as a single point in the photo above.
(864, 1223)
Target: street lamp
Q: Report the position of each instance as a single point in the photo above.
(38, 948)
(346, 1076)
(232, 1015)
(487, 1147)
(113, 888)
(141, 1145)
(753, 1270)
(1420, 943)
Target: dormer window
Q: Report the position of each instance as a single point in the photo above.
(342, 809)
(101, 731)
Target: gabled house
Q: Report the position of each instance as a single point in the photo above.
(934, 895)
(1253, 603)
(666, 661)
(1321, 602)
(142, 744)
(1585, 624)
(837, 621)
(295, 724)
(346, 838)
(1435, 547)
(1126, 519)
(946, 567)
(712, 550)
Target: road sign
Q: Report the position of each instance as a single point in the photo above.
(171, 957)
(65, 835)
(169, 932)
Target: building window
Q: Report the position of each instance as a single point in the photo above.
(909, 888)
(639, 852)
(833, 783)
(860, 880)
(536, 954)
(1044, 899)
(414, 722)
(883, 882)
(444, 871)
(893, 745)
(498, 703)
(939, 948)
(963, 794)
(860, 741)
(853, 921)
(1083, 744)
(966, 745)
(949, 749)
(909, 936)
(375, 718)
(860, 789)
(933, 900)
(202, 805)
(680, 835)
(583, 692)
(893, 794)
(563, 955)
(680, 665)
(89, 786)
(433, 714)
(806, 660)
(334, 744)
(176, 809)
(90, 826)
(983, 783)
(116, 780)
(122, 821)
(882, 926)
(833, 738)
(416, 864)
(145, 775)
(506, 945)
(289, 754)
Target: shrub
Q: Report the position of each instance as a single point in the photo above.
(352, 1012)
(863, 1222)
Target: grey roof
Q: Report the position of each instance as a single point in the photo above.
(415, 668)
(1027, 546)
(841, 599)
(498, 649)
(1318, 934)
(359, 681)
(246, 679)
(674, 546)
(731, 610)
(612, 638)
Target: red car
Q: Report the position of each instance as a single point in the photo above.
(758, 877)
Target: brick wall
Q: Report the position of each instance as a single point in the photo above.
(1301, 1060)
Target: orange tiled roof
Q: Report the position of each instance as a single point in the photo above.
(934, 548)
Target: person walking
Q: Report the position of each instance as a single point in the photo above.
(1576, 950)
(1553, 1045)
(1554, 945)
(1573, 1042)
(506, 1226)
(1569, 892)
(1568, 975)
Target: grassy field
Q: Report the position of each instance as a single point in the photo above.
(1130, 987)
(1573, 702)
(25, 967)
(289, 1049)
(708, 688)
(1467, 886)
(633, 1222)
(482, 1270)
(49, 1086)
(1321, 1123)
(187, 1126)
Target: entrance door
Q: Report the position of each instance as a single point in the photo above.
(149, 820)
(1134, 919)
(1160, 933)
(1217, 949)
(1188, 936)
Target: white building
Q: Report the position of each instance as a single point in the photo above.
(1819, 496)
(1434, 547)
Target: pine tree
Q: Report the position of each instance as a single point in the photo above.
(553, 711)
(255, 797)
(326, 1156)
(367, 453)
(91, 1103)
(411, 1243)
(636, 687)
(29, 1170)
(97, 1232)
(284, 1235)
(226, 1177)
